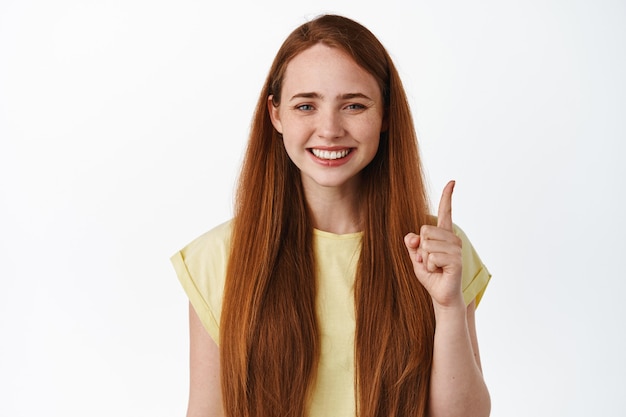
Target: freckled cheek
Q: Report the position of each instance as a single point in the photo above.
(371, 130)
(296, 130)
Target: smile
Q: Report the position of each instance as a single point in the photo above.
(330, 155)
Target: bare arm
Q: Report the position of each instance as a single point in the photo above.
(457, 387)
(205, 394)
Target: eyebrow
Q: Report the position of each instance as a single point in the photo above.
(346, 96)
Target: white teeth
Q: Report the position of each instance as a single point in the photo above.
(330, 154)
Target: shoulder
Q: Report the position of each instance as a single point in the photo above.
(211, 247)
(476, 276)
(217, 238)
(201, 269)
(205, 258)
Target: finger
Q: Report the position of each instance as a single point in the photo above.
(429, 233)
(439, 262)
(452, 247)
(431, 263)
(444, 218)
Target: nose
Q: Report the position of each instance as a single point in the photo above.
(330, 125)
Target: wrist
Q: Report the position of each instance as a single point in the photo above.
(452, 310)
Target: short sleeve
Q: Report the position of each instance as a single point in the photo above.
(201, 269)
(475, 274)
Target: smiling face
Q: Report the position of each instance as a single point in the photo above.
(330, 117)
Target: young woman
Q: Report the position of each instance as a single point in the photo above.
(333, 292)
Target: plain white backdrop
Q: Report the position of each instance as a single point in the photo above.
(122, 127)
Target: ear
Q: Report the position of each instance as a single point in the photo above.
(274, 115)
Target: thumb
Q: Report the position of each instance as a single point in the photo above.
(412, 242)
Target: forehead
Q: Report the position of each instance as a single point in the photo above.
(323, 68)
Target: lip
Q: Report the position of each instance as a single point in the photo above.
(332, 162)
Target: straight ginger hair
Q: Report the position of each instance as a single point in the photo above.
(269, 339)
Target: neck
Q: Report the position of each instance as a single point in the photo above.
(334, 210)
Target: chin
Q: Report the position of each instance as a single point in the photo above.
(329, 182)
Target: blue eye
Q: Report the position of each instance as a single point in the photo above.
(355, 106)
(304, 107)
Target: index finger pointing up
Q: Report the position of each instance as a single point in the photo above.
(444, 219)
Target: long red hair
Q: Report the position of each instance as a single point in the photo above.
(269, 341)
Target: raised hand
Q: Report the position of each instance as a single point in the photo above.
(436, 256)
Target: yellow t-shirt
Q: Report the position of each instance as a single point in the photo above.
(201, 269)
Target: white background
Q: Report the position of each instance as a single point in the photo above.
(122, 126)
